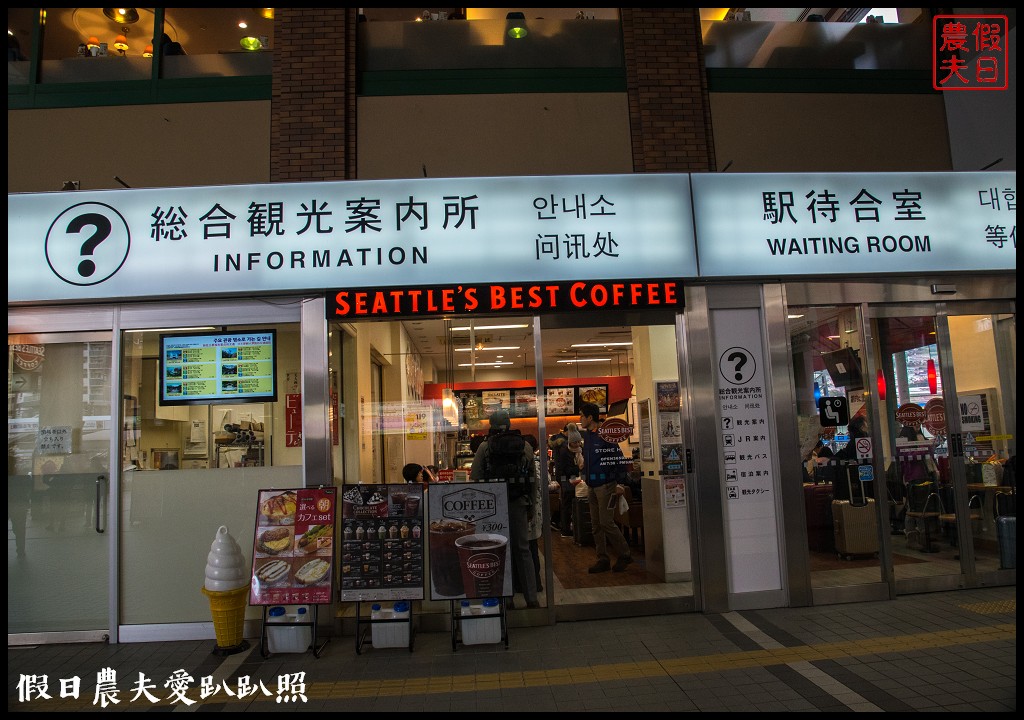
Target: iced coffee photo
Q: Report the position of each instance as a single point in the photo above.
(445, 567)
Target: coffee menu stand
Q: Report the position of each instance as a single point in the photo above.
(311, 624)
(457, 618)
(383, 534)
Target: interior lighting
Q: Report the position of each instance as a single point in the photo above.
(606, 344)
(583, 360)
(250, 43)
(933, 378)
(122, 16)
(492, 347)
(880, 384)
(496, 363)
(148, 52)
(516, 25)
(489, 327)
(93, 42)
(121, 44)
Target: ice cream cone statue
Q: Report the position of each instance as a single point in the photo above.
(227, 587)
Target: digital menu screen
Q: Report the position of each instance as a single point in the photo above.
(236, 367)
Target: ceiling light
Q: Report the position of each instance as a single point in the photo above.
(250, 43)
(122, 16)
(583, 360)
(493, 347)
(605, 344)
(497, 363)
(171, 329)
(794, 317)
(489, 327)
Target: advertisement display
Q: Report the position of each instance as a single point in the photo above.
(382, 542)
(469, 538)
(218, 368)
(293, 546)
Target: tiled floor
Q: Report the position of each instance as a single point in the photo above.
(944, 651)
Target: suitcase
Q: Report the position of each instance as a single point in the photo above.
(854, 521)
(1006, 531)
(818, 509)
(856, 528)
(582, 533)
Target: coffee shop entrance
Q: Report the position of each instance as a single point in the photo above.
(438, 379)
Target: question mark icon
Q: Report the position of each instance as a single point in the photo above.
(740, 359)
(101, 232)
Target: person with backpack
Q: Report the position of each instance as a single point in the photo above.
(505, 456)
(603, 469)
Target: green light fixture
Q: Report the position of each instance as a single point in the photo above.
(250, 43)
(516, 25)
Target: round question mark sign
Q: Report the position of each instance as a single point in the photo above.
(737, 366)
(87, 243)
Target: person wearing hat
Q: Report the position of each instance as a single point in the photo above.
(603, 468)
(520, 504)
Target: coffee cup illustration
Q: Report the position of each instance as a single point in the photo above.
(445, 568)
(482, 560)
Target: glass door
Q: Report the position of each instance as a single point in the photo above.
(947, 387)
(59, 425)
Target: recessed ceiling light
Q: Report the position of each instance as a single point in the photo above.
(583, 360)
(493, 347)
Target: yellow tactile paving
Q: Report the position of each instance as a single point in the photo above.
(474, 683)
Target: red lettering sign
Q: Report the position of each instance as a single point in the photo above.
(969, 52)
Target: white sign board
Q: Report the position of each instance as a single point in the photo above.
(380, 233)
(811, 224)
(747, 446)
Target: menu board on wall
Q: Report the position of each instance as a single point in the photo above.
(293, 546)
(561, 401)
(382, 542)
(524, 403)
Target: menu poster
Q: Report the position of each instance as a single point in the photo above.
(597, 394)
(472, 404)
(382, 542)
(293, 547)
(469, 537)
(524, 403)
(495, 400)
(561, 401)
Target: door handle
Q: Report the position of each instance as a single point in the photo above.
(99, 502)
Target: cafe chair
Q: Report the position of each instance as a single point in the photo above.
(925, 506)
(948, 520)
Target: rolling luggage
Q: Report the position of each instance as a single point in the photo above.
(818, 508)
(1006, 531)
(855, 523)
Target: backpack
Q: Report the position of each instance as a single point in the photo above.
(506, 460)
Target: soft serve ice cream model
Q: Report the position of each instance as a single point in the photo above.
(226, 568)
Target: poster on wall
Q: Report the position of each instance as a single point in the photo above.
(293, 546)
(667, 392)
(675, 492)
(382, 542)
(468, 541)
(646, 431)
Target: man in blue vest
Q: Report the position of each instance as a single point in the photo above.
(603, 468)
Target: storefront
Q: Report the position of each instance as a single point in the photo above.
(686, 285)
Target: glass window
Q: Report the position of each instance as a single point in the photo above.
(188, 469)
